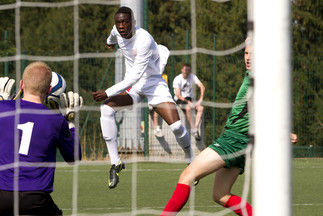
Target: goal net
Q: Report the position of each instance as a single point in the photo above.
(70, 36)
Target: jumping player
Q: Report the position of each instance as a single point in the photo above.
(145, 62)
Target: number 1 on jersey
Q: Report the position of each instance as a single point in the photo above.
(27, 130)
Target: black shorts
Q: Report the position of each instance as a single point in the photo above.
(182, 104)
(30, 203)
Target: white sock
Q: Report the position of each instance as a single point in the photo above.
(183, 139)
(109, 132)
(194, 130)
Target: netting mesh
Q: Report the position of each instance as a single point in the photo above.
(62, 39)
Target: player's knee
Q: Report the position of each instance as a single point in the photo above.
(109, 136)
(178, 129)
(188, 110)
(107, 121)
(185, 177)
(107, 111)
(200, 108)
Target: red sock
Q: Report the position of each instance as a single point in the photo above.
(234, 203)
(178, 200)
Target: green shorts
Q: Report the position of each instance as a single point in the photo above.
(231, 147)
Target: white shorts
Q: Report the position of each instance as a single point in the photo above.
(154, 88)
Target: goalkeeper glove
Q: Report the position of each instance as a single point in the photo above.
(70, 104)
(6, 85)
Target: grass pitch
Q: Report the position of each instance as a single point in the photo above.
(147, 191)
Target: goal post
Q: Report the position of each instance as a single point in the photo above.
(272, 108)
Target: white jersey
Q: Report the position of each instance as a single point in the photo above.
(143, 58)
(185, 85)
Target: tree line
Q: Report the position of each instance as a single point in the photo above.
(219, 25)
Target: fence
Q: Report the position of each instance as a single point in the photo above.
(307, 151)
(221, 75)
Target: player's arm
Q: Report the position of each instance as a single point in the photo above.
(202, 92)
(179, 96)
(293, 138)
(114, 90)
(112, 39)
(132, 75)
(99, 95)
(111, 46)
(66, 145)
(70, 104)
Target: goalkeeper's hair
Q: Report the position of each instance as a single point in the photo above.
(37, 78)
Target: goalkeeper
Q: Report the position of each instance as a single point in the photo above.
(40, 131)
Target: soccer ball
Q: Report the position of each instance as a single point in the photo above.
(58, 84)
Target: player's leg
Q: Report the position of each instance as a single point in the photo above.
(223, 181)
(207, 162)
(199, 113)
(37, 203)
(198, 117)
(157, 131)
(109, 132)
(168, 111)
(7, 202)
(188, 113)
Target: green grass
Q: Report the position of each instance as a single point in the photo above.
(155, 183)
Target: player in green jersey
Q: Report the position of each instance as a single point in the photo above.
(225, 157)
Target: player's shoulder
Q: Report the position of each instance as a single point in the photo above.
(194, 76)
(114, 32)
(7, 102)
(10, 105)
(178, 77)
(191, 75)
(41, 108)
(142, 31)
(6, 105)
(144, 35)
(114, 29)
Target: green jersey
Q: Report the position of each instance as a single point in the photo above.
(238, 120)
(234, 138)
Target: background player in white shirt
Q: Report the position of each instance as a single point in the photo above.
(183, 90)
(145, 62)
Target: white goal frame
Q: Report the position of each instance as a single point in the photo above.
(272, 108)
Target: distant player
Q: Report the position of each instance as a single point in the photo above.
(233, 141)
(145, 62)
(39, 131)
(183, 90)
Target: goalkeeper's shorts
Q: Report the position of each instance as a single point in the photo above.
(30, 203)
(231, 147)
(154, 88)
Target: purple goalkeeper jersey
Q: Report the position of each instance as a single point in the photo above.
(39, 131)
